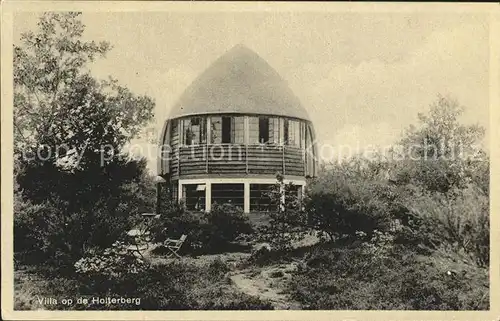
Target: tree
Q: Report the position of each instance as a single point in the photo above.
(440, 152)
(70, 129)
(59, 106)
(440, 133)
(66, 120)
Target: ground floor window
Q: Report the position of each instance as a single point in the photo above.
(260, 200)
(228, 194)
(194, 196)
(294, 193)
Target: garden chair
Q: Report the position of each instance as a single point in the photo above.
(174, 245)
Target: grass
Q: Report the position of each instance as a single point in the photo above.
(344, 276)
(32, 285)
(328, 276)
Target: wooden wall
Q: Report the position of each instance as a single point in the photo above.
(224, 159)
(237, 159)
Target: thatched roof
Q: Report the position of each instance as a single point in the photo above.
(239, 82)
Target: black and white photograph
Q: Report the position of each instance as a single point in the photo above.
(255, 156)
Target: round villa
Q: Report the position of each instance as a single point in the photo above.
(232, 130)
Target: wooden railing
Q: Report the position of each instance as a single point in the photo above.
(237, 159)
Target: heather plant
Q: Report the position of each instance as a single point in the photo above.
(117, 261)
(351, 278)
(169, 286)
(460, 218)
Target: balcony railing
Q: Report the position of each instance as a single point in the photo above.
(237, 159)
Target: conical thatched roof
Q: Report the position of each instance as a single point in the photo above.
(239, 82)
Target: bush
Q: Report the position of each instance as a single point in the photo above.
(352, 278)
(458, 219)
(46, 234)
(341, 203)
(118, 261)
(224, 223)
(210, 231)
(29, 232)
(80, 210)
(175, 221)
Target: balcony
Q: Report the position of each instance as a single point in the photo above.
(235, 159)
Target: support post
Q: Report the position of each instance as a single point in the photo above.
(208, 197)
(158, 197)
(179, 192)
(246, 129)
(246, 197)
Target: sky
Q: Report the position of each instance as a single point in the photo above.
(363, 77)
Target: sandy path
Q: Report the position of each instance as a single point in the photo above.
(267, 283)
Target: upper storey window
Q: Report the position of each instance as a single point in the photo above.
(264, 130)
(194, 131)
(201, 130)
(227, 130)
(292, 133)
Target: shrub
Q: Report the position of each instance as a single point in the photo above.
(46, 234)
(29, 238)
(118, 261)
(224, 223)
(352, 278)
(459, 218)
(175, 221)
(341, 203)
(210, 231)
(81, 210)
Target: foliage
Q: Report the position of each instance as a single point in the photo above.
(58, 103)
(444, 184)
(341, 203)
(416, 227)
(32, 228)
(210, 231)
(61, 224)
(459, 218)
(440, 153)
(224, 223)
(117, 261)
(75, 188)
(288, 223)
(170, 286)
(440, 133)
(390, 222)
(396, 279)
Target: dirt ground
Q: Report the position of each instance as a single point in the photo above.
(267, 283)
